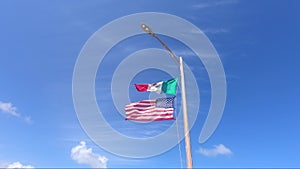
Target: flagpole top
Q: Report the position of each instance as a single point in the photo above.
(147, 29)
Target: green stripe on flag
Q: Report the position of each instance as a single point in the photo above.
(169, 86)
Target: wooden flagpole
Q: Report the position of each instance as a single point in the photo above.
(189, 160)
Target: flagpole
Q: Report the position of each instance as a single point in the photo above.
(189, 160)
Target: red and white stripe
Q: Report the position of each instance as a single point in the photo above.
(146, 110)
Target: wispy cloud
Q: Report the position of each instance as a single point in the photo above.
(28, 120)
(9, 108)
(215, 30)
(16, 165)
(83, 155)
(217, 150)
(214, 3)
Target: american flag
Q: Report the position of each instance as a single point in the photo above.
(151, 110)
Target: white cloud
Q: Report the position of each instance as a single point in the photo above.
(217, 150)
(10, 109)
(214, 3)
(83, 155)
(216, 30)
(16, 165)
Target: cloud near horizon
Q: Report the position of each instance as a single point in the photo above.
(83, 155)
(16, 165)
(217, 150)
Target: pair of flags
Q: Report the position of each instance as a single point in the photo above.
(157, 109)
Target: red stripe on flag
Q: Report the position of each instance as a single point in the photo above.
(157, 119)
(149, 114)
(143, 103)
(148, 111)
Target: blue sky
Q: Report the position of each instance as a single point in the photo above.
(257, 41)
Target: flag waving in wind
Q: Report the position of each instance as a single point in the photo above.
(168, 87)
(151, 110)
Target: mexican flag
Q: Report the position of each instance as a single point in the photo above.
(168, 87)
